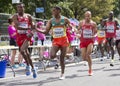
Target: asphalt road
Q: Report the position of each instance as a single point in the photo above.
(76, 75)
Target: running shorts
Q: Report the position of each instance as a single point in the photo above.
(110, 41)
(60, 42)
(12, 42)
(21, 38)
(100, 40)
(85, 44)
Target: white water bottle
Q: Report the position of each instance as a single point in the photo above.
(39, 43)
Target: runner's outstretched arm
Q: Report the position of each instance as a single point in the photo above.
(48, 27)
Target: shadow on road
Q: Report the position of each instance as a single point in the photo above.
(98, 69)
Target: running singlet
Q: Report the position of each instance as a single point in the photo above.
(87, 32)
(101, 34)
(110, 29)
(117, 34)
(23, 23)
(22, 35)
(58, 29)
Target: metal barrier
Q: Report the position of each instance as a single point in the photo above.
(4, 40)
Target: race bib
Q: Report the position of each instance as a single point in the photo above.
(23, 25)
(117, 34)
(110, 28)
(22, 31)
(58, 32)
(101, 33)
(87, 33)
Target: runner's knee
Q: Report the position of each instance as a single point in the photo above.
(21, 51)
(52, 56)
(84, 57)
(87, 55)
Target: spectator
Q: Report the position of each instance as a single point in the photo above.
(12, 33)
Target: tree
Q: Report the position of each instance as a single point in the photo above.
(99, 8)
(6, 6)
(71, 8)
(117, 7)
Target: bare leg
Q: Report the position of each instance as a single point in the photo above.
(22, 51)
(112, 48)
(107, 49)
(83, 53)
(53, 52)
(29, 59)
(101, 49)
(13, 57)
(62, 56)
(20, 58)
(88, 53)
(118, 49)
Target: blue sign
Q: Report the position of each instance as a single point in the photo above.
(39, 10)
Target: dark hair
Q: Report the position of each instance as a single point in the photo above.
(58, 8)
(10, 20)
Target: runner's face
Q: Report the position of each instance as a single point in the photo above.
(20, 8)
(87, 16)
(103, 22)
(111, 15)
(55, 12)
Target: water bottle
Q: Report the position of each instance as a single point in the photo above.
(45, 42)
(49, 42)
(39, 42)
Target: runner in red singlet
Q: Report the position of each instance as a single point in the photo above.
(23, 24)
(88, 29)
(111, 25)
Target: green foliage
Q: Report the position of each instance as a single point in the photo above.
(99, 8)
(117, 7)
(71, 8)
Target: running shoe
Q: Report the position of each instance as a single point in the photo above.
(62, 77)
(112, 63)
(28, 72)
(22, 65)
(56, 66)
(34, 73)
(15, 66)
(90, 72)
(101, 59)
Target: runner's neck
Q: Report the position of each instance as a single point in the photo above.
(21, 14)
(111, 19)
(88, 21)
(58, 17)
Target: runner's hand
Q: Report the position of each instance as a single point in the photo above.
(29, 35)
